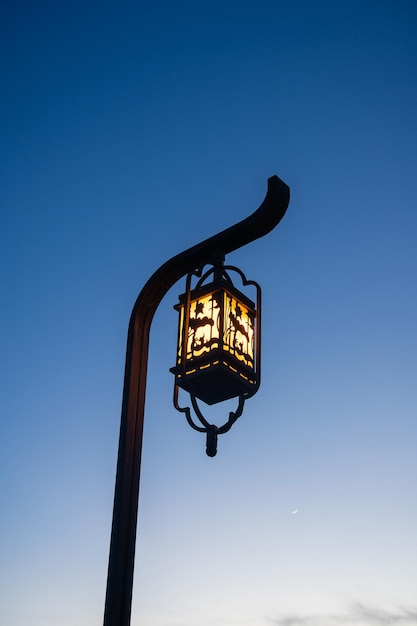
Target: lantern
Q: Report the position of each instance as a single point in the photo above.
(218, 353)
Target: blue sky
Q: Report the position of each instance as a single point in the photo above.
(130, 132)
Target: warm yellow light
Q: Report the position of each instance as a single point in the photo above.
(238, 336)
(214, 319)
(217, 353)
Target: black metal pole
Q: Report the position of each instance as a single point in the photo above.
(123, 535)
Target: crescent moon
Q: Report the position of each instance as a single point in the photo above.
(295, 511)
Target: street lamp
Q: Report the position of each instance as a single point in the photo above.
(234, 356)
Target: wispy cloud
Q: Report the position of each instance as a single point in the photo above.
(357, 615)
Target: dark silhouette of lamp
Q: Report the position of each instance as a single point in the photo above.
(234, 349)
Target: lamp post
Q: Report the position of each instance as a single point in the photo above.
(123, 534)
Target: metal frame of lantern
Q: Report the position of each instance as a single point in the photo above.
(219, 348)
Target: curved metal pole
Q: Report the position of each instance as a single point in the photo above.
(123, 535)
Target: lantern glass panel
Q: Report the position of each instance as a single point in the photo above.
(203, 326)
(239, 330)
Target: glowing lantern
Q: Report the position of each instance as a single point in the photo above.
(218, 339)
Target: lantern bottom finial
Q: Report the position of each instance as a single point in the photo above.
(211, 445)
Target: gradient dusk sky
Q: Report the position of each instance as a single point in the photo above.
(131, 131)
